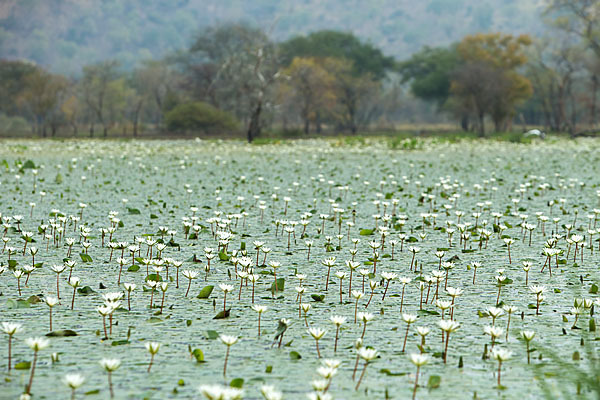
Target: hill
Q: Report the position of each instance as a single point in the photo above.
(64, 35)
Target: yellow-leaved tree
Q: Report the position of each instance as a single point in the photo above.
(488, 82)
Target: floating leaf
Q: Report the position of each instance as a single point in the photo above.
(594, 289)
(133, 211)
(34, 299)
(365, 232)
(23, 365)
(62, 333)
(86, 290)
(318, 297)
(154, 277)
(120, 342)
(222, 314)
(390, 373)
(224, 256)
(280, 285)
(434, 381)
(91, 392)
(210, 334)
(133, 268)
(85, 258)
(12, 263)
(198, 355)
(237, 383)
(10, 303)
(294, 355)
(205, 292)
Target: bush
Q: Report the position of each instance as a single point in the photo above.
(13, 125)
(199, 116)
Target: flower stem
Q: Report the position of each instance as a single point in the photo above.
(28, 390)
(225, 365)
(73, 299)
(361, 375)
(110, 385)
(151, 362)
(9, 351)
(405, 337)
(188, 289)
(416, 384)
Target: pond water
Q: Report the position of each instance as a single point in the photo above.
(153, 184)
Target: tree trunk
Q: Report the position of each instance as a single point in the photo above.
(306, 125)
(254, 125)
(464, 123)
(481, 127)
(92, 130)
(593, 105)
(319, 127)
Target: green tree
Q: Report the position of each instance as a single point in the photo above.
(41, 99)
(13, 75)
(429, 73)
(365, 58)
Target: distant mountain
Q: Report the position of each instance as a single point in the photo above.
(64, 35)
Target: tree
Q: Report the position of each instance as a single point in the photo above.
(357, 69)
(12, 81)
(153, 82)
(365, 58)
(552, 71)
(41, 98)
(233, 67)
(352, 92)
(72, 110)
(310, 88)
(429, 73)
(487, 81)
(579, 18)
(98, 91)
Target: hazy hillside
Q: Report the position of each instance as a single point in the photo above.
(66, 34)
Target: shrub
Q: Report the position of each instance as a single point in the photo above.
(199, 116)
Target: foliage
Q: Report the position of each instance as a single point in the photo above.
(488, 82)
(233, 67)
(199, 116)
(365, 58)
(429, 73)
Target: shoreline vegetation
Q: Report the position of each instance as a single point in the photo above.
(392, 137)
